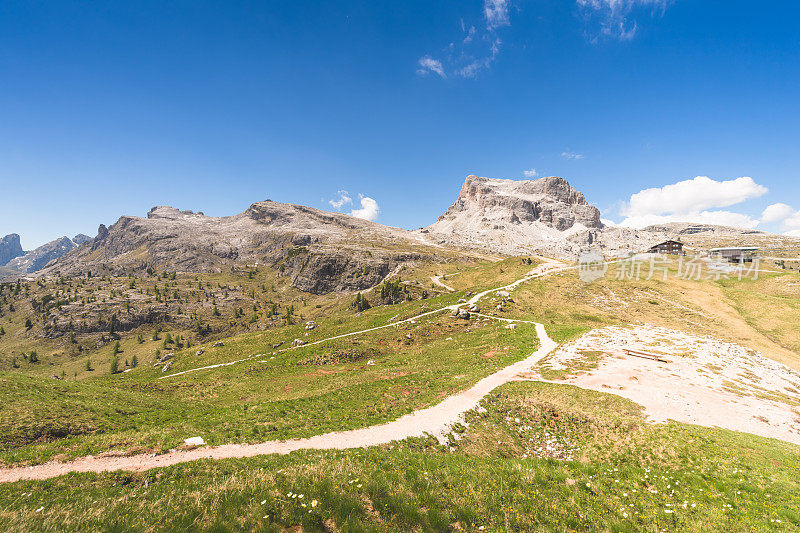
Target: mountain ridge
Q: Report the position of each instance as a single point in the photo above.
(325, 251)
(320, 251)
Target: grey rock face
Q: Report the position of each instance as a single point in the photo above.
(42, 256)
(319, 251)
(10, 248)
(519, 217)
(551, 201)
(80, 238)
(94, 318)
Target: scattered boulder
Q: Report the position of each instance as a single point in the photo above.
(166, 367)
(194, 441)
(311, 324)
(474, 309)
(298, 342)
(463, 314)
(199, 352)
(277, 345)
(218, 344)
(503, 294)
(165, 357)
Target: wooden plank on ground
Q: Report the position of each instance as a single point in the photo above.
(645, 355)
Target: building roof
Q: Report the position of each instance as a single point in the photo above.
(736, 249)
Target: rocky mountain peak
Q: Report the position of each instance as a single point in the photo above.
(42, 256)
(10, 248)
(170, 213)
(553, 188)
(546, 216)
(550, 201)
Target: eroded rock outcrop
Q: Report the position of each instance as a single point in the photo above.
(319, 251)
(42, 256)
(546, 216)
(10, 248)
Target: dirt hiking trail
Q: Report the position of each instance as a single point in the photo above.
(435, 420)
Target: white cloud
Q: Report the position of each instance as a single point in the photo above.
(792, 222)
(342, 200)
(785, 214)
(369, 209)
(571, 155)
(613, 17)
(776, 213)
(608, 222)
(692, 196)
(428, 64)
(694, 200)
(532, 173)
(496, 13)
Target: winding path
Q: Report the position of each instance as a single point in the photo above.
(436, 420)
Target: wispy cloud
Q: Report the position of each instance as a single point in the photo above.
(342, 199)
(475, 66)
(616, 19)
(475, 50)
(369, 209)
(496, 13)
(531, 173)
(571, 155)
(427, 64)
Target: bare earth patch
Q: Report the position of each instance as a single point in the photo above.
(705, 382)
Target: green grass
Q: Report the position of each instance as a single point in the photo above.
(489, 478)
(285, 395)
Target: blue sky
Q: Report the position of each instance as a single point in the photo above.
(110, 108)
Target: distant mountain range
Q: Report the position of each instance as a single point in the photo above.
(319, 251)
(15, 260)
(323, 252)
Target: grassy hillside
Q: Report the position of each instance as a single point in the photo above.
(538, 457)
